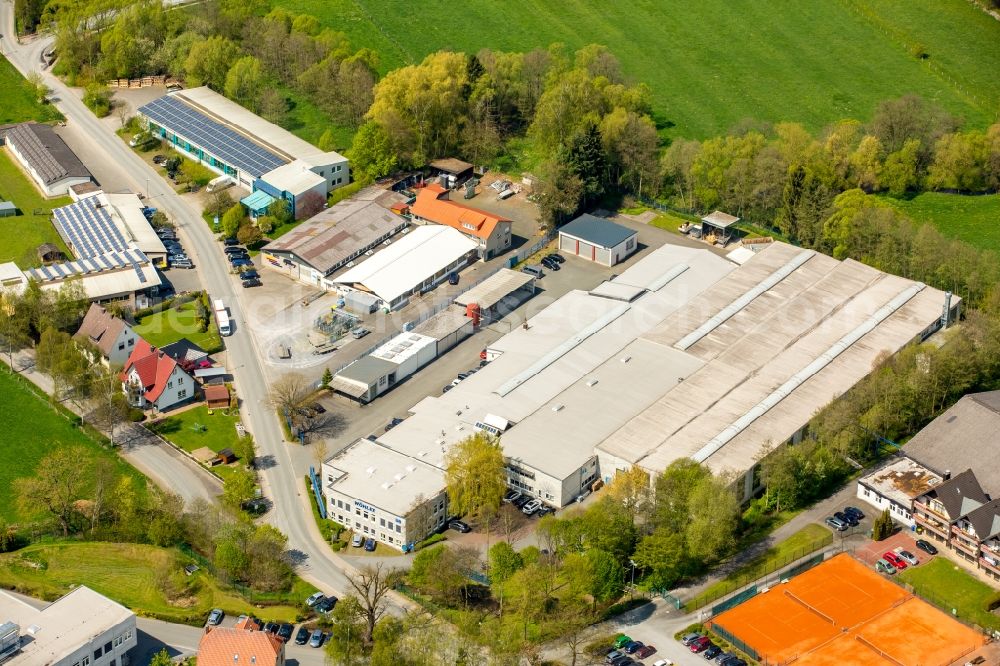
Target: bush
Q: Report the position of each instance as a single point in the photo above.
(346, 191)
(135, 415)
(623, 607)
(98, 99)
(430, 541)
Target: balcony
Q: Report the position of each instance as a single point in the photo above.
(926, 508)
(965, 546)
(930, 524)
(989, 566)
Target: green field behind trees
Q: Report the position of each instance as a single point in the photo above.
(973, 219)
(713, 63)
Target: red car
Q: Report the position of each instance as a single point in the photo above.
(893, 559)
(644, 651)
(700, 644)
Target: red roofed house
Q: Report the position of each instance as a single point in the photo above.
(490, 231)
(153, 379)
(222, 646)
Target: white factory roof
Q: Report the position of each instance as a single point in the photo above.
(382, 477)
(128, 217)
(279, 139)
(690, 355)
(63, 626)
(901, 480)
(404, 265)
(101, 276)
(403, 346)
(12, 277)
(294, 177)
(495, 288)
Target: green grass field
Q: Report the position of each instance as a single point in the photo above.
(136, 576)
(810, 538)
(31, 429)
(950, 587)
(712, 63)
(21, 235)
(19, 103)
(195, 428)
(163, 328)
(973, 219)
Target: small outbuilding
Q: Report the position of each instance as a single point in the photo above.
(454, 170)
(216, 396)
(47, 253)
(717, 227)
(7, 209)
(597, 239)
(225, 457)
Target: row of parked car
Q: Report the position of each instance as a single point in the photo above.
(550, 261)
(703, 645)
(898, 559)
(625, 651)
(462, 376)
(842, 520)
(529, 506)
(176, 257)
(239, 260)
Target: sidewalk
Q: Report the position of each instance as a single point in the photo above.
(167, 467)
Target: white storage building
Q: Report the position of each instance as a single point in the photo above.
(599, 240)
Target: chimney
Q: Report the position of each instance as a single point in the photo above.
(947, 475)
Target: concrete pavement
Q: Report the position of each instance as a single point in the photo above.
(281, 481)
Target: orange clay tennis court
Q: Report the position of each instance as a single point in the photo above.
(839, 612)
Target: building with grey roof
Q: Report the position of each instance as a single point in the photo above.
(335, 237)
(45, 156)
(598, 240)
(894, 486)
(683, 355)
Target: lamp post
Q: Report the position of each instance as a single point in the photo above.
(631, 590)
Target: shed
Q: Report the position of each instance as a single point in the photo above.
(456, 170)
(717, 227)
(257, 203)
(597, 239)
(225, 457)
(47, 252)
(7, 209)
(216, 396)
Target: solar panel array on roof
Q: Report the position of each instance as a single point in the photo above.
(87, 227)
(90, 265)
(225, 143)
(45, 152)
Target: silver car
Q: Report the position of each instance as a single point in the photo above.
(908, 557)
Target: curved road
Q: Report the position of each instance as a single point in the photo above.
(282, 483)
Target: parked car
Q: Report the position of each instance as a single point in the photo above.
(510, 496)
(534, 271)
(521, 501)
(663, 662)
(326, 605)
(687, 639)
(249, 275)
(712, 652)
(545, 510)
(927, 547)
(251, 283)
(271, 627)
(894, 560)
(630, 648)
(215, 617)
(556, 257)
(459, 526)
(453, 278)
(393, 423)
(182, 263)
(844, 518)
(234, 249)
(531, 507)
(622, 641)
(359, 332)
(908, 557)
(159, 159)
(700, 644)
(836, 523)
(229, 242)
(614, 654)
(357, 541)
(550, 264)
(317, 638)
(623, 660)
(370, 545)
(884, 567)
(302, 636)
(318, 408)
(285, 632)
(314, 599)
(855, 512)
(241, 262)
(645, 651)
(447, 388)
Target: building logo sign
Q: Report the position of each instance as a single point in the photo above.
(367, 507)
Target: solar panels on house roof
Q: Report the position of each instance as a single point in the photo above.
(224, 142)
(90, 265)
(86, 226)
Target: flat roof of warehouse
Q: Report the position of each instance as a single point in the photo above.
(696, 364)
(382, 477)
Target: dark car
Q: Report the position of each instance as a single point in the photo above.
(251, 283)
(630, 648)
(159, 159)
(271, 627)
(453, 278)
(510, 496)
(241, 262)
(326, 605)
(645, 651)
(285, 632)
(393, 423)
(370, 545)
(230, 242)
(234, 249)
(550, 264)
(844, 518)
(459, 526)
(544, 510)
(556, 257)
(854, 512)
(302, 637)
(521, 501)
(712, 652)
(249, 275)
(622, 660)
(927, 547)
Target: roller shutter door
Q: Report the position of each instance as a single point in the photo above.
(567, 244)
(603, 256)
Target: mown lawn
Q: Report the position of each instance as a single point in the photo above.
(950, 587)
(712, 63)
(810, 538)
(147, 579)
(195, 428)
(973, 219)
(21, 235)
(163, 328)
(19, 103)
(31, 429)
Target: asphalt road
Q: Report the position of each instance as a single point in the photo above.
(281, 482)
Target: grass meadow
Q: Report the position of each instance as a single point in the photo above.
(973, 219)
(21, 235)
(19, 103)
(713, 63)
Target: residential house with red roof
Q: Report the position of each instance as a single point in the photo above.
(151, 379)
(223, 646)
(491, 232)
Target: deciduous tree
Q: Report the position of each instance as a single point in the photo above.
(58, 482)
(475, 475)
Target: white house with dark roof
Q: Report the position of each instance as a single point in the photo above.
(45, 156)
(109, 334)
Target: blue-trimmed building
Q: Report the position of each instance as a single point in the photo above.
(257, 154)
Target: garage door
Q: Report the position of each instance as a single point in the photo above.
(567, 244)
(586, 251)
(603, 256)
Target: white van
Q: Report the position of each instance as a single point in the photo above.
(219, 184)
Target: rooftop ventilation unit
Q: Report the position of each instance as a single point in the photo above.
(557, 408)
(370, 471)
(591, 382)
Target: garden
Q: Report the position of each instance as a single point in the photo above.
(183, 317)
